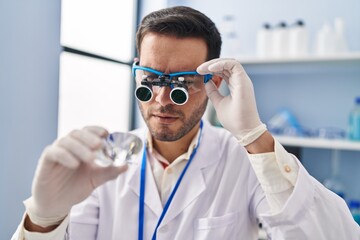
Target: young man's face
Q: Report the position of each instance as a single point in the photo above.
(166, 120)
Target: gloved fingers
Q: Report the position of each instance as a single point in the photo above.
(104, 174)
(223, 64)
(204, 68)
(77, 149)
(226, 68)
(213, 93)
(100, 131)
(90, 139)
(223, 75)
(231, 68)
(60, 156)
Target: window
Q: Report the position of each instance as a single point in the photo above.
(95, 66)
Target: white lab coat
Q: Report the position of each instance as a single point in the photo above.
(219, 198)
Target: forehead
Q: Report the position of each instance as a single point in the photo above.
(172, 54)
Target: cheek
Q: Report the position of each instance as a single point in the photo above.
(198, 97)
(195, 100)
(143, 107)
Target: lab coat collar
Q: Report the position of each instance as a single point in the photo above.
(192, 185)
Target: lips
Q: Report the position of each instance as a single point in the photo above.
(165, 118)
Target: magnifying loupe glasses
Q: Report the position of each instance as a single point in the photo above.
(118, 148)
(182, 84)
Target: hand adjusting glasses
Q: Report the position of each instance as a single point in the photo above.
(182, 84)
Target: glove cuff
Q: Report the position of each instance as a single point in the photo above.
(41, 221)
(252, 135)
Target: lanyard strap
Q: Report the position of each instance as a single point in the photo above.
(142, 196)
(168, 202)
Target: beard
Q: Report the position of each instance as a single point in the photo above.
(164, 133)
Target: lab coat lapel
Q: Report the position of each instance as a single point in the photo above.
(191, 187)
(193, 183)
(152, 198)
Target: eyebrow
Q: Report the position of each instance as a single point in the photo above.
(183, 70)
(145, 66)
(164, 72)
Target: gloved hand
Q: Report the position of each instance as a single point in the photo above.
(237, 112)
(67, 174)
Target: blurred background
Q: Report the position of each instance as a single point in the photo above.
(66, 64)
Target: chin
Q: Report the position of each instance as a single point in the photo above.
(165, 136)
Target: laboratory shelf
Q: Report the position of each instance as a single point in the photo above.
(319, 143)
(339, 57)
(334, 63)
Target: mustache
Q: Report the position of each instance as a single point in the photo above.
(168, 109)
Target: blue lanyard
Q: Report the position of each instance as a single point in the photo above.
(168, 202)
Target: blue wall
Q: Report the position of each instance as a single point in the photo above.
(319, 94)
(29, 65)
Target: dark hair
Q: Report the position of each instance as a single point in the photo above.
(181, 22)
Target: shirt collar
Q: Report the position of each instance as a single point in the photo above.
(184, 156)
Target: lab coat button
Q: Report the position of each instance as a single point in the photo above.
(164, 229)
(287, 168)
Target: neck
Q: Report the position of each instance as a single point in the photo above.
(171, 150)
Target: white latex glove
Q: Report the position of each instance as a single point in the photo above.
(66, 175)
(237, 112)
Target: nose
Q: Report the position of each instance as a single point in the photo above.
(163, 96)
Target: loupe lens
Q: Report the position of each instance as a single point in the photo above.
(143, 93)
(179, 95)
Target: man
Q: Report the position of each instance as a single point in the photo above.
(192, 181)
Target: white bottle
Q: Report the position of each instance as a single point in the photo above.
(340, 40)
(230, 46)
(325, 41)
(263, 41)
(280, 40)
(334, 182)
(298, 39)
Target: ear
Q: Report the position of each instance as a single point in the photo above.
(217, 80)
